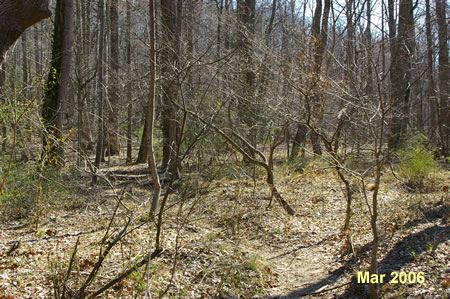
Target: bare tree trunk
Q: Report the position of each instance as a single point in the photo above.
(151, 110)
(319, 35)
(401, 68)
(430, 90)
(129, 87)
(246, 13)
(391, 25)
(348, 210)
(226, 38)
(58, 80)
(78, 65)
(83, 77)
(286, 88)
(247, 106)
(37, 52)
(86, 106)
(350, 42)
(25, 90)
(299, 139)
(100, 121)
(143, 148)
(220, 6)
(444, 117)
(112, 137)
(373, 269)
(265, 73)
(368, 36)
(169, 53)
(25, 71)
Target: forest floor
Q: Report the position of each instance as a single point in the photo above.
(220, 240)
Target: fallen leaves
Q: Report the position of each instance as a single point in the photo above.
(446, 282)
(86, 263)
(259, 253)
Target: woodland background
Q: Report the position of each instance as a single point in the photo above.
(153, 148)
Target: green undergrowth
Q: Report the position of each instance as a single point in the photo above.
(415, 161)
(29, 191)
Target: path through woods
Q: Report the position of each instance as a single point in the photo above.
(230, 244)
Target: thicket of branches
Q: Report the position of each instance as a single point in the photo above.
(175, 81)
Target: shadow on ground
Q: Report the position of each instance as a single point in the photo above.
(402, 253)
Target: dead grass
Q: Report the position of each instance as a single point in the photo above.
(224, 242)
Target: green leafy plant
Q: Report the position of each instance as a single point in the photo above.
(415, 160)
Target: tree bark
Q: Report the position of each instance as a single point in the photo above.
(368, 36)
(298, 140)
(112, 137)
(58, 80)
(430, 89)
(16, 16)
(401, 68)
(25, 89)
(37, 52)
(25, 71)
(100, 121)
(444, 114)
(169, 53)
(247, 105)
(220, 6)
(373, 268)
(129, 87)
(152, 111)
(391, 25)
(319, 36)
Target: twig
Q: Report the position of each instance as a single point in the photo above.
(69, 269)
(13, 247)
(147, 258)
(101, 258)
(330, 289)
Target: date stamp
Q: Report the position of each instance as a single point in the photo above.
(396, 277)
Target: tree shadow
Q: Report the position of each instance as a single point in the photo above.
(403, 252)
(299, 248)
(430, 215)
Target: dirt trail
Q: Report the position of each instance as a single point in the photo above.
(296, 272)
(298, 255)
(298, 267)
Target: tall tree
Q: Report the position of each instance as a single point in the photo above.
(319, 38)
(220, 7)
(129, 84)
(430, 89)
(169, 52)
(368, 38)
(444, 114)
(151, 109)
(401, 68)
(171, 11)
(100, 100)
(112, 128)
(37, 51)
(58, 80)
(25, 71)
(246, 10)
(83, 75)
